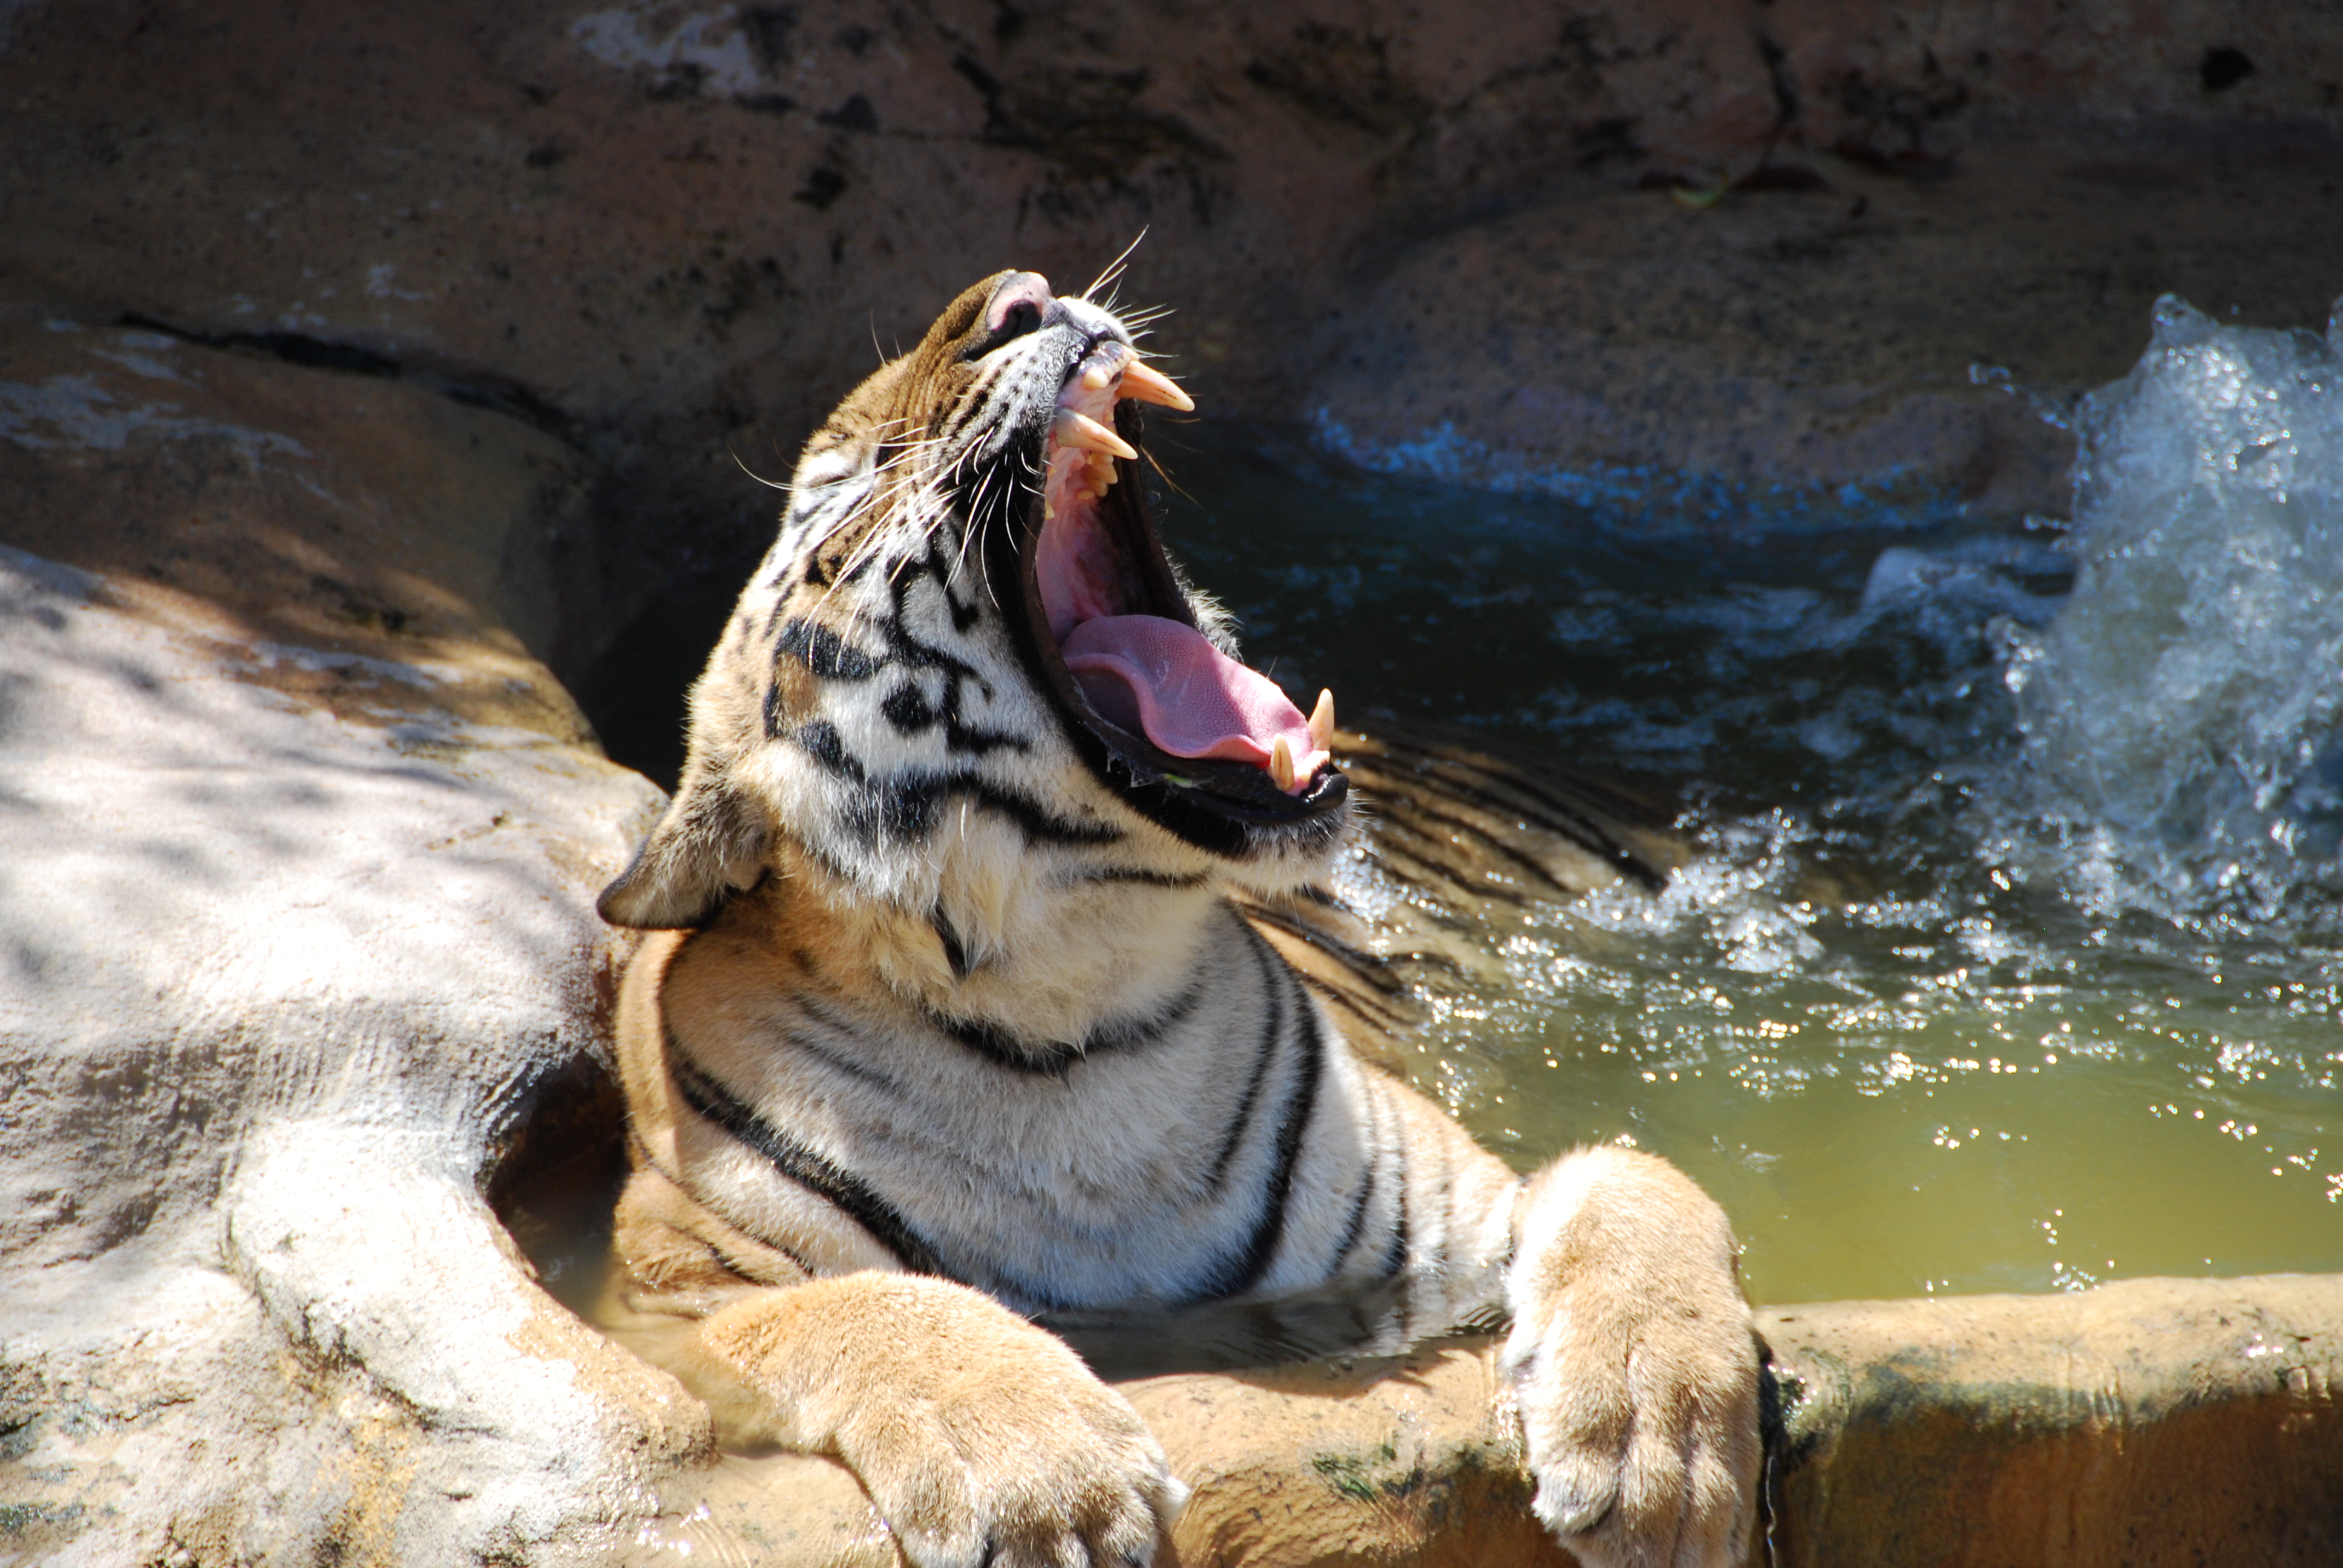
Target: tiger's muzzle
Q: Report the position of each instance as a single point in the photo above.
(1195, 739)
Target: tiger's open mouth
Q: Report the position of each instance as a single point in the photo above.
(1170, 715)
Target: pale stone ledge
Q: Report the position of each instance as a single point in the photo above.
(2149, 1422)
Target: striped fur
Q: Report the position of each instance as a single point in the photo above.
(953, 1016)
(1473, 836)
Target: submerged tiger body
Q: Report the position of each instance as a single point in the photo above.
(951, 1018)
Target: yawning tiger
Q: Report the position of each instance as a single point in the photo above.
(949, 1022)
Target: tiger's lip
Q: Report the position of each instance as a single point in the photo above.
(1236, 791)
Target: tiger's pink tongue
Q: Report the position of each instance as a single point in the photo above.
(1191, 700)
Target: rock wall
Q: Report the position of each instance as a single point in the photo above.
(297, 917)
(672, 234)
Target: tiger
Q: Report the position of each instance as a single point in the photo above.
(946, 1021)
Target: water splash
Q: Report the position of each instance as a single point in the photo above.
(2186, 699)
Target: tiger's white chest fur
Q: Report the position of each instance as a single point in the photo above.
(1218, 1140)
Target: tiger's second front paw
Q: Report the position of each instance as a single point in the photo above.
(983, 1441)
(1633, 1366)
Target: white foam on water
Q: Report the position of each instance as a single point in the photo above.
(2186, 699)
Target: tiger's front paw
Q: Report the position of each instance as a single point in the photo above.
(982, 1439)
(1021, 1466)
(1633, 1365)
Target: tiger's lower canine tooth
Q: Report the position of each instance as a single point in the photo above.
(1322, 721)
(1280, 763)
(1147, 385)
(1075, 428)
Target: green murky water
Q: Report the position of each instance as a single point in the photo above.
(1919, 1025)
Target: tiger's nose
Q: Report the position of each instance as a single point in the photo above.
(1019, 291)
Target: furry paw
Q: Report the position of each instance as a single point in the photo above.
(1633, 1366)
(982, 1439)
(1027, 1466)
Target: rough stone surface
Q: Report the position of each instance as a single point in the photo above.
(1411, 1460)
(297, 924)
(674, 234)
(1812, 348)
(2142, 1423)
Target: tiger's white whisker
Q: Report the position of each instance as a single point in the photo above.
(1114, 269)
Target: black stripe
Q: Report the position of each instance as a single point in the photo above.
(1377, 849)
(821, 1013)
(1292, 1124)
(1387, 846)
(955, 950)
(1038, 823)
(1396, 1257)
(847, 1065)
(1387, 1020)
(820, 741)
(1370, 968)
(1002, 1049)
(1056, 1058)
(1278, 1189)
(1358, 1219)
(1272, 1028)
(1130, 1034)
(1460, 825)
(908, 802)
(807, 1167)
(642, 1153)
(824, 652)
(1371, 1182)
(1562, 817)
(1145, 878)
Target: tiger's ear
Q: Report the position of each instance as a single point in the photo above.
(710, 845)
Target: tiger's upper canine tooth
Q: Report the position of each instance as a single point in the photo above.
(1148, 385)
(1280, 763)
(1322, 721)
(1075, 428)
